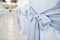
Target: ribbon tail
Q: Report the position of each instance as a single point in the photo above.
(37, 31)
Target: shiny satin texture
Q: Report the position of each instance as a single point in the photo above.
(41, 23)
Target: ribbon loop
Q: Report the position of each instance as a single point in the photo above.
(44, 19)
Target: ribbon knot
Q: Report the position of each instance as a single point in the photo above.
(34, 16)
(43, 19)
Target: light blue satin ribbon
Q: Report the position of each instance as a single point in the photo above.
(43, 19)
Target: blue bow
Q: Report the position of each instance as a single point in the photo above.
(46, 18)
(49, 17)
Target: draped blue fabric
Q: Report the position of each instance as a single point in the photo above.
(41, 20)
(38, 20)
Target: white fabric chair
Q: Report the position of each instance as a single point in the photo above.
(40, 19)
